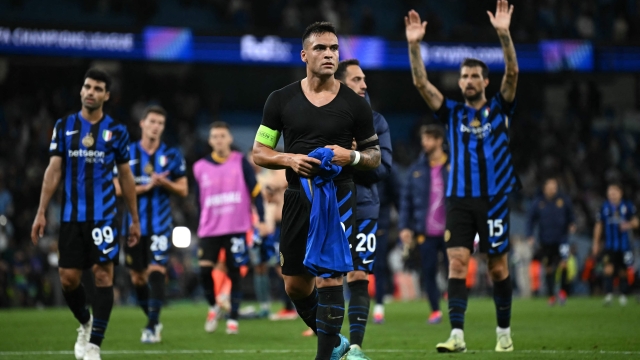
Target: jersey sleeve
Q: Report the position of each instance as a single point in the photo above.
(56, 148)
(508, 108)
(363, 121)
(122, 147)
(444, 113)
(178, 167)
(271, 126)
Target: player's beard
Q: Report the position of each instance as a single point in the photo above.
(472, 98)
(93, 107)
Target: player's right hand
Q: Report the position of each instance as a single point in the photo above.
(37, 230)
(134, 234)
(406, 236)
(414, 29)
(303, 165)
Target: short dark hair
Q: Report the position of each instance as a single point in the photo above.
(341, 73)
(99, 75)
(470, 62)
(156, 109)
(219, 125)
(432, 130)
(617, 184)
(318, 28)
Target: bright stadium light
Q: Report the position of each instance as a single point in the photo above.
(181, 237)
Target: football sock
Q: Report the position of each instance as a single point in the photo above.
(624, 285)
(502, 293)
(76, 300)
(550, 280)
(358, 310)
(142, 294)
(306, 308)
(261, 284)
(564, 284)
(206, 280)
(101, 313)
(329, 319)
(156, 282)
(457, 302)
(236, 292)
(381, 281)
(608, 284)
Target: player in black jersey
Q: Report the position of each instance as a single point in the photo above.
(316, 112)
(481, 172)
(84, 148)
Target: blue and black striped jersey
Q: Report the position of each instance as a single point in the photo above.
(479, 144)
(89, 153)
(154, 206)
(611, 217)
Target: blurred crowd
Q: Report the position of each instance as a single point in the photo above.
(566, 145)
(604, 21)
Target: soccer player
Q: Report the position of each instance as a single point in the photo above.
(227, 187)
(481, 173)
(553, 212)
(159, 171)
(363, 250)
(616, 218)
(84, 148)
(316, 112)
(422, 210)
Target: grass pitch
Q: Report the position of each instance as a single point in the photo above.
(583, 329)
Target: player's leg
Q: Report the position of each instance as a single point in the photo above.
(72, 260)
(363, 253)
(136, 261)
(380, 271)
(563, 253)
(608, 277)
(493, 229)
(550, 260)
(207, 257)
(624, 261)
(329, 319)
(429, 261)
(459, 236)
(157, 256)
(236, 255)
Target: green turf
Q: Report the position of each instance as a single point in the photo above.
(583, 329)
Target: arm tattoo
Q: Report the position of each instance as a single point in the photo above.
(510, 79)
(369, 158)
(417, 66)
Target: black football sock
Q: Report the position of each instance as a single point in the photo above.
(236, 292)
(329, 319)
(102, 306)
(156, 299)
(564, 283)
(358, 310)
(502, 293)
(306, 308)
(457, 302)
(206, 280)
(142, 294)
(77, 300)
(624, 285)
(550, 280)
(608, 284)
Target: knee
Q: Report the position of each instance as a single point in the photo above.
(457, 268)
(356, 275)
(297, 291)
(138, 279)
(69, 281)
(103, 277)
(498, 272)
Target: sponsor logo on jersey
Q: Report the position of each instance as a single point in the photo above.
(90, 156)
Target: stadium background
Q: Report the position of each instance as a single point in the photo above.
(578, 114)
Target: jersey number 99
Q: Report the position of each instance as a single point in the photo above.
(102, 235)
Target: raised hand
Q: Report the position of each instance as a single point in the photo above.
(502, 19)
(413, 27)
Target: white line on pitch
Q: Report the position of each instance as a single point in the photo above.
(275, 351)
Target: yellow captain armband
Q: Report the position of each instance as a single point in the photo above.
(267, 137)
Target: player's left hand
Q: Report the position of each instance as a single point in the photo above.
(134, 234)
(502, 19)
(625, 226)
(159, 179)
(341, 156)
